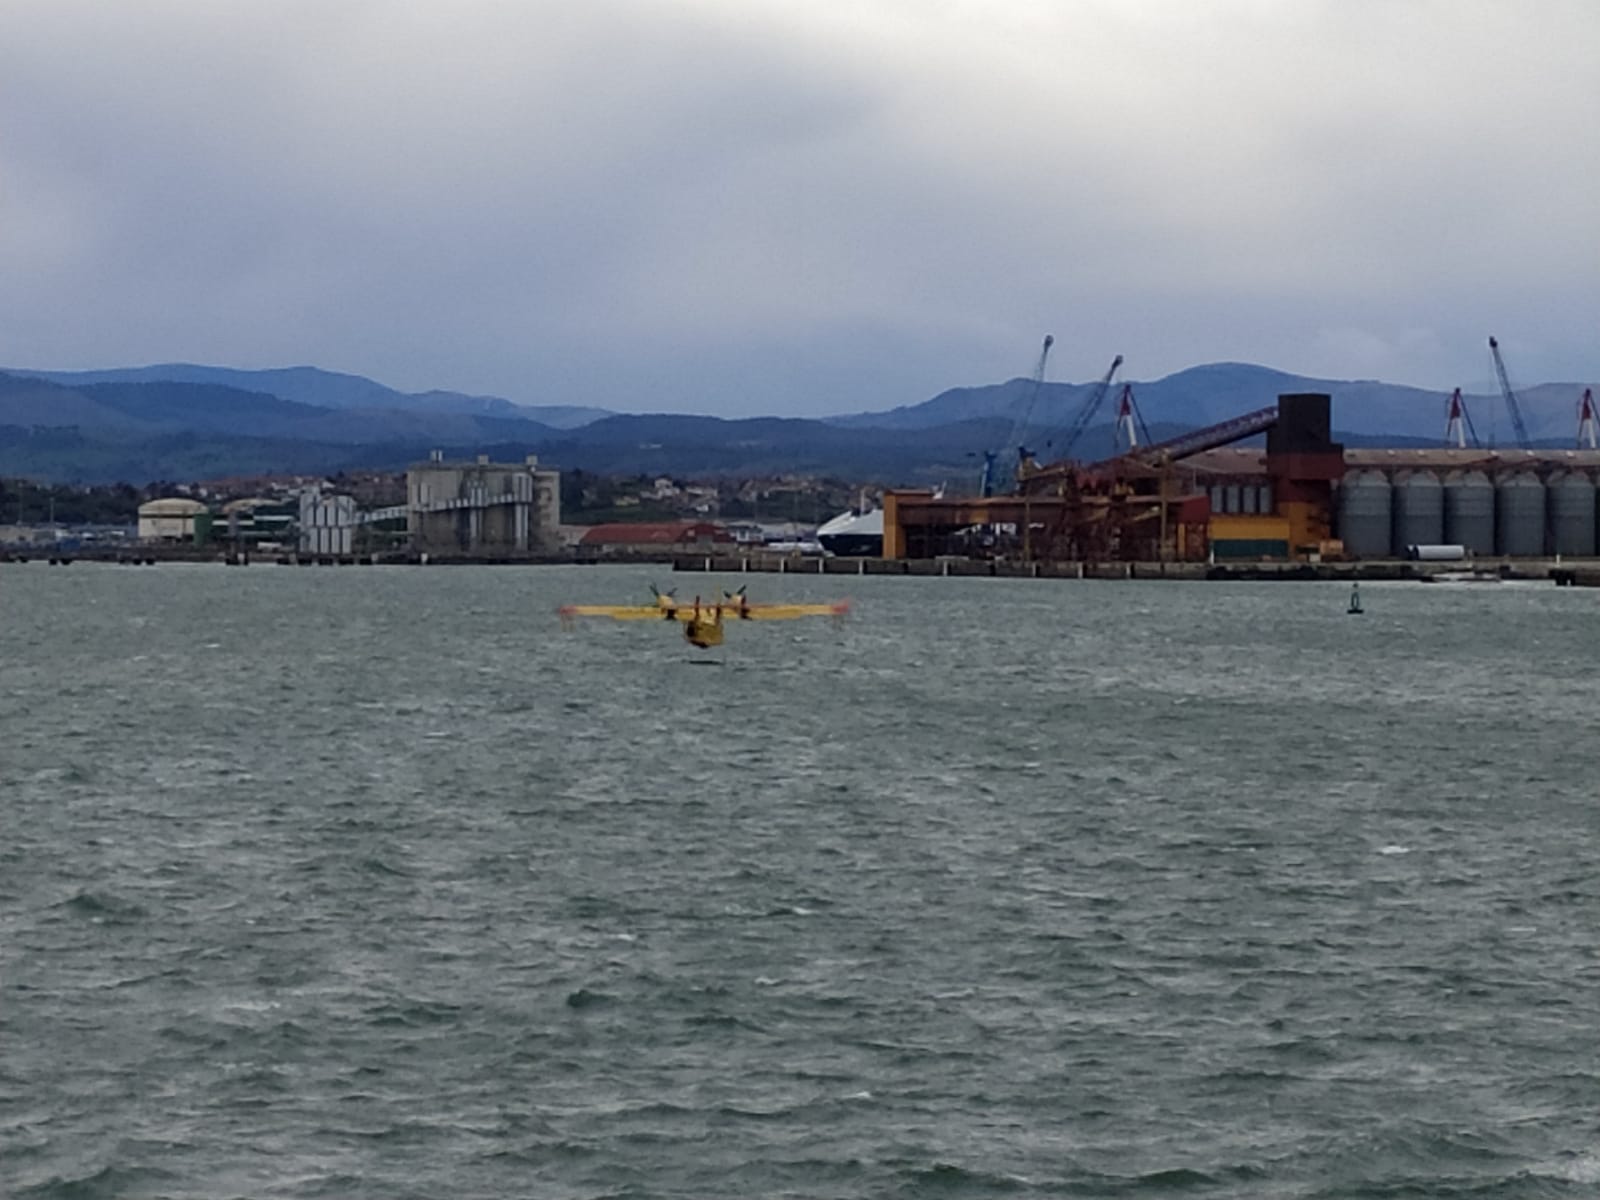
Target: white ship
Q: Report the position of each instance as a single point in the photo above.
(854, 534)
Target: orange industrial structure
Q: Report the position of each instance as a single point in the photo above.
(1161, 502)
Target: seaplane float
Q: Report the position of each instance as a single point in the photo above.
(702, 621)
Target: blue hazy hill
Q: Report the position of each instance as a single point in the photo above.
(133, 409)
(327, 389)
(1207, 394)
(109, 426)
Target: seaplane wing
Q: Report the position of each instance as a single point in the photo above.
(623, 612)
(702, 620)
(787, 612)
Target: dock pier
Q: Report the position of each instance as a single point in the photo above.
(1562, 574)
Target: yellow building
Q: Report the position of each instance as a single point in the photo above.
(172, 519)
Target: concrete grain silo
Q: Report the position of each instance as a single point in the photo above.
(1571, 498)
(1469, 511)
(1519, 515)
(1365, 514)
(1418, 510)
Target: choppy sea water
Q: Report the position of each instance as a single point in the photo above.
(375, 883)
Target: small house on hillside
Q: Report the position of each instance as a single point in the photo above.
(652, 537)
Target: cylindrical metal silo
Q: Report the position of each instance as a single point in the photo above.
(1265, 500)
(1469, 511)
(1364, 515)
(1247, 498)
(1571, 498)
(1216, 498)
(1519, 515)
(1230, 501)
(1418, 510)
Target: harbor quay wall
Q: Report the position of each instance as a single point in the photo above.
(1563, 571)
(1351, 571)
(150, 555)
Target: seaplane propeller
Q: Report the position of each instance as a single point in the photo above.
(666, 602)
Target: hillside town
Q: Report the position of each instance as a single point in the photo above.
(440, 510)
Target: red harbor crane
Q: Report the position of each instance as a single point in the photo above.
(1131, 428)
(1459, 423)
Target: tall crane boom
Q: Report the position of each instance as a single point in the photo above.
(1031, 397)
(1512, 406)
(1019, 423)
(1086, 413)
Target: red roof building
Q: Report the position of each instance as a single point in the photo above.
(659, 536)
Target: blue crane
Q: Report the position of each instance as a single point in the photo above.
(1512, 406)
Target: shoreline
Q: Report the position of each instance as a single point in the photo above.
(1563, 572)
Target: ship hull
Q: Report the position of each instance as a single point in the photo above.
(853, 535)
(853, 545)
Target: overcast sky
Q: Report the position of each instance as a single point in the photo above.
(800, 206)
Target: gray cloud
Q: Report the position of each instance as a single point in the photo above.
(720, 206)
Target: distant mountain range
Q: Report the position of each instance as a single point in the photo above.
(1205, 395)
(327, 389)
(182, 422)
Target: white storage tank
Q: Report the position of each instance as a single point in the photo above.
(1455, 553)
(1365, 515)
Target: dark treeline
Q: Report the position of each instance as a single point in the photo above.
(23, 501)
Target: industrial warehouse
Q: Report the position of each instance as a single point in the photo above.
(1303, 497)
(1156, 503)
(1202, 500)
(1501, 503)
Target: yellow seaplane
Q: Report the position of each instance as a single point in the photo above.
(702, 621)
